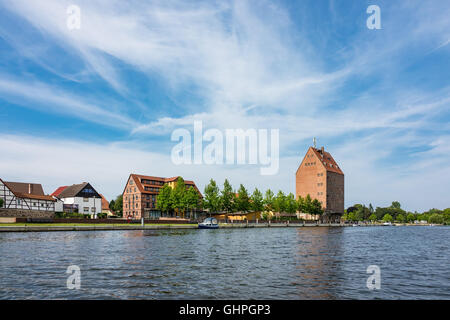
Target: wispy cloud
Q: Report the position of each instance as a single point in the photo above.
(38, 95)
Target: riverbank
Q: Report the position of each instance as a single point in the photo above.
(22, 227)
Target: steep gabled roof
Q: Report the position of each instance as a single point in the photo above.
(325, 159)
(73, 190)
(58, 191)
(25, 188)
(21, 190)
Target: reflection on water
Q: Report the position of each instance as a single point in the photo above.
(317, 256)
(270, 263)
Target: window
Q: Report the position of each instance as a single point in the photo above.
(93, 209)
(85, 199)
(131, 182)
(86, 209)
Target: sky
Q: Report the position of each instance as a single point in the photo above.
(99, 102)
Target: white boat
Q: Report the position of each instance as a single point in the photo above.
(387, 224)
(209, 223)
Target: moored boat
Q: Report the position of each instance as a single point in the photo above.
(209, 223)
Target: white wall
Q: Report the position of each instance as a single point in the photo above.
(88, 204)
(59, 205)
(11, 202)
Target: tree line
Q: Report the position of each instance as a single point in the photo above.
(394, 212)
(229, 201)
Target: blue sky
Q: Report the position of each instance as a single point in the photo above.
(98, 103)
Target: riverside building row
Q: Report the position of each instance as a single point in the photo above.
(317, 175)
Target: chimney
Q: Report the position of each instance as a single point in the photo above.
(30, 188)
(322, 150)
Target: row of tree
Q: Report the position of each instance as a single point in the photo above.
(393, 213)
(228, 200)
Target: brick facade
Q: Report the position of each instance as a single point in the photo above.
(139, 195)
(319, 176)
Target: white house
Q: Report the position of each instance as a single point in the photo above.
(25, 196)
(81, 198)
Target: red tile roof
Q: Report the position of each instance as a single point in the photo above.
(105, 203)
(327, 161)
(58, 191)
(138, 177)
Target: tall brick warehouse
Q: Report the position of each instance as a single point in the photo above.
(320, 176)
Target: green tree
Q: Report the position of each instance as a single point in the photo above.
(316, 207)
(111, 204)
(387, 218)
(268, 200)
(291, 204)
(118, 206)
(212, 197)
(395, 205)
(192, 199)
(410, 217)
(401, 218)
(257, 202)
(227, 197)
(279, 203)
(242, 200)
(164, 199)
(177, 197)
(436, 218)
(301, 204)
(373, 217)
(446, 215)
(307, 205)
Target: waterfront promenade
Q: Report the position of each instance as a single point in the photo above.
(111, 227)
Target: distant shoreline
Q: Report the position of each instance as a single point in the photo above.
(93, 227)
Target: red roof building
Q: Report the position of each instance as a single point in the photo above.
(140, 192)
(321, 177)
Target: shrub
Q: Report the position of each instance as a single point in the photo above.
(436, 218)
(102, 215)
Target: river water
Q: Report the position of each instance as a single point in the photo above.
(266, 263)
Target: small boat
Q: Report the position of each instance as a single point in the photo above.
(387, 224)
(209, 223)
